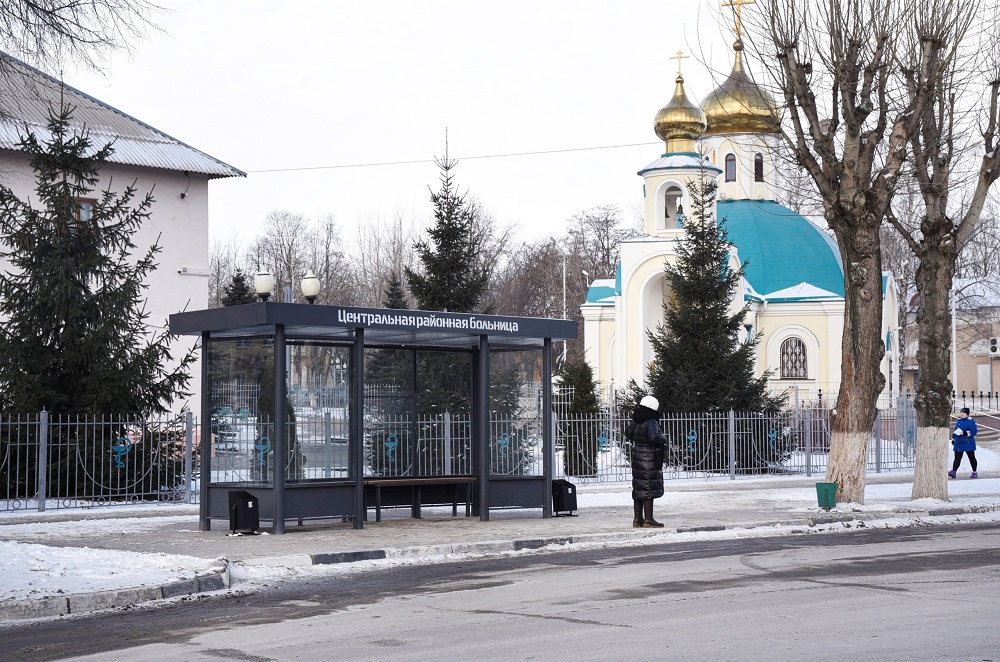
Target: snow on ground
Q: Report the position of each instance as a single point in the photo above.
(28, 570)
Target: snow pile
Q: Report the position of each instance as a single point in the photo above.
(35, 571)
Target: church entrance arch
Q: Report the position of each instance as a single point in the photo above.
(655, 293)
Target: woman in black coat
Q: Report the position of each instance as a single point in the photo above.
(647, 460)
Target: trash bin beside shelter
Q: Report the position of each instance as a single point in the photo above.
(244, 511)
(563, 496)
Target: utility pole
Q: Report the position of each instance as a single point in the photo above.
(564, 306)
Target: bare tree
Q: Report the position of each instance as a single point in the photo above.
(380, 247)
(834, 66)
(224, 258)
(327, 259)
(979, 256)
(939, 148)
(48, 33)
(492, 241)
(282, 248)
(530, 281)
(595, 236)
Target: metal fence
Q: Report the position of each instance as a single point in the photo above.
(594, 449)
(64, 462)
(51, 461)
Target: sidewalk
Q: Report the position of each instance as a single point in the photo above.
(69, 562)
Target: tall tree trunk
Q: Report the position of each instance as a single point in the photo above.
(863, 348)
(933, 399)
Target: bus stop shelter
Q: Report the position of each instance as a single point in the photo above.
(381, 408)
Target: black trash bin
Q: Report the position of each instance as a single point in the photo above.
(244, 513)
(563, 496)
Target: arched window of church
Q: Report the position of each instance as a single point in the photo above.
(730, 167)
(673, 210)
(793, 359)
(758, 168)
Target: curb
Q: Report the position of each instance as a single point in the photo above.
(83, 603)
(650, 535)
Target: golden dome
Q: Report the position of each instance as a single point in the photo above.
(739, 105)
(680, 122)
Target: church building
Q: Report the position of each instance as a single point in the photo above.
(794, 277)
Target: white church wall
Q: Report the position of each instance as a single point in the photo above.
(599, 336)
(819, 327)
(744, 148)
(808, 337)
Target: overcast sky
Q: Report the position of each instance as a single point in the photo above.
(298, 85)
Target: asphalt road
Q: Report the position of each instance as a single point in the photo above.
(903, 594)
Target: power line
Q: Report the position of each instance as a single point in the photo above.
(457, 158)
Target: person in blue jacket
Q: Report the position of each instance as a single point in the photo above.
(964, 441)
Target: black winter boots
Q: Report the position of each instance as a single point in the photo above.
(648, 521)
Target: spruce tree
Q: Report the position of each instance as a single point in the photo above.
(238, 291)
(581, 429)
(450, 278)
(390, 368)
(699, 365)
(76, 338)
(395, 297)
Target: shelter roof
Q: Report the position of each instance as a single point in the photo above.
(29, 95)
(384, 327)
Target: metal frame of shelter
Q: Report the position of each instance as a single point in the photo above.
(358, 329)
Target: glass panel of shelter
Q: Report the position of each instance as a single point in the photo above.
(240, 376)
(417, 422)
(515, 438)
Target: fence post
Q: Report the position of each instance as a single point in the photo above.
(327, 441)
(43, 458)
(809, 438)
(878, 441)
(448, 462)
(557, 469)
(732, 445)
(188, 445)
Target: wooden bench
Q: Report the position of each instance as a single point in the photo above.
(414, 485)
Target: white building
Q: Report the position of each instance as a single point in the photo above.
(144, 155)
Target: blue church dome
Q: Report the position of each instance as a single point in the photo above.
(781, 248)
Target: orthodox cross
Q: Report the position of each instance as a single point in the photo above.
(680, 56)
(738, 5)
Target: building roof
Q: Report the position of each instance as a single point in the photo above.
(801, 292)
(27, 95)
(681, 161)
(781, 249)
(977, 293)
(602, 290)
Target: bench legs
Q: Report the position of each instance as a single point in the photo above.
(415, 508)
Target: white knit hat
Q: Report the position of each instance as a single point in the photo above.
(650, 402)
